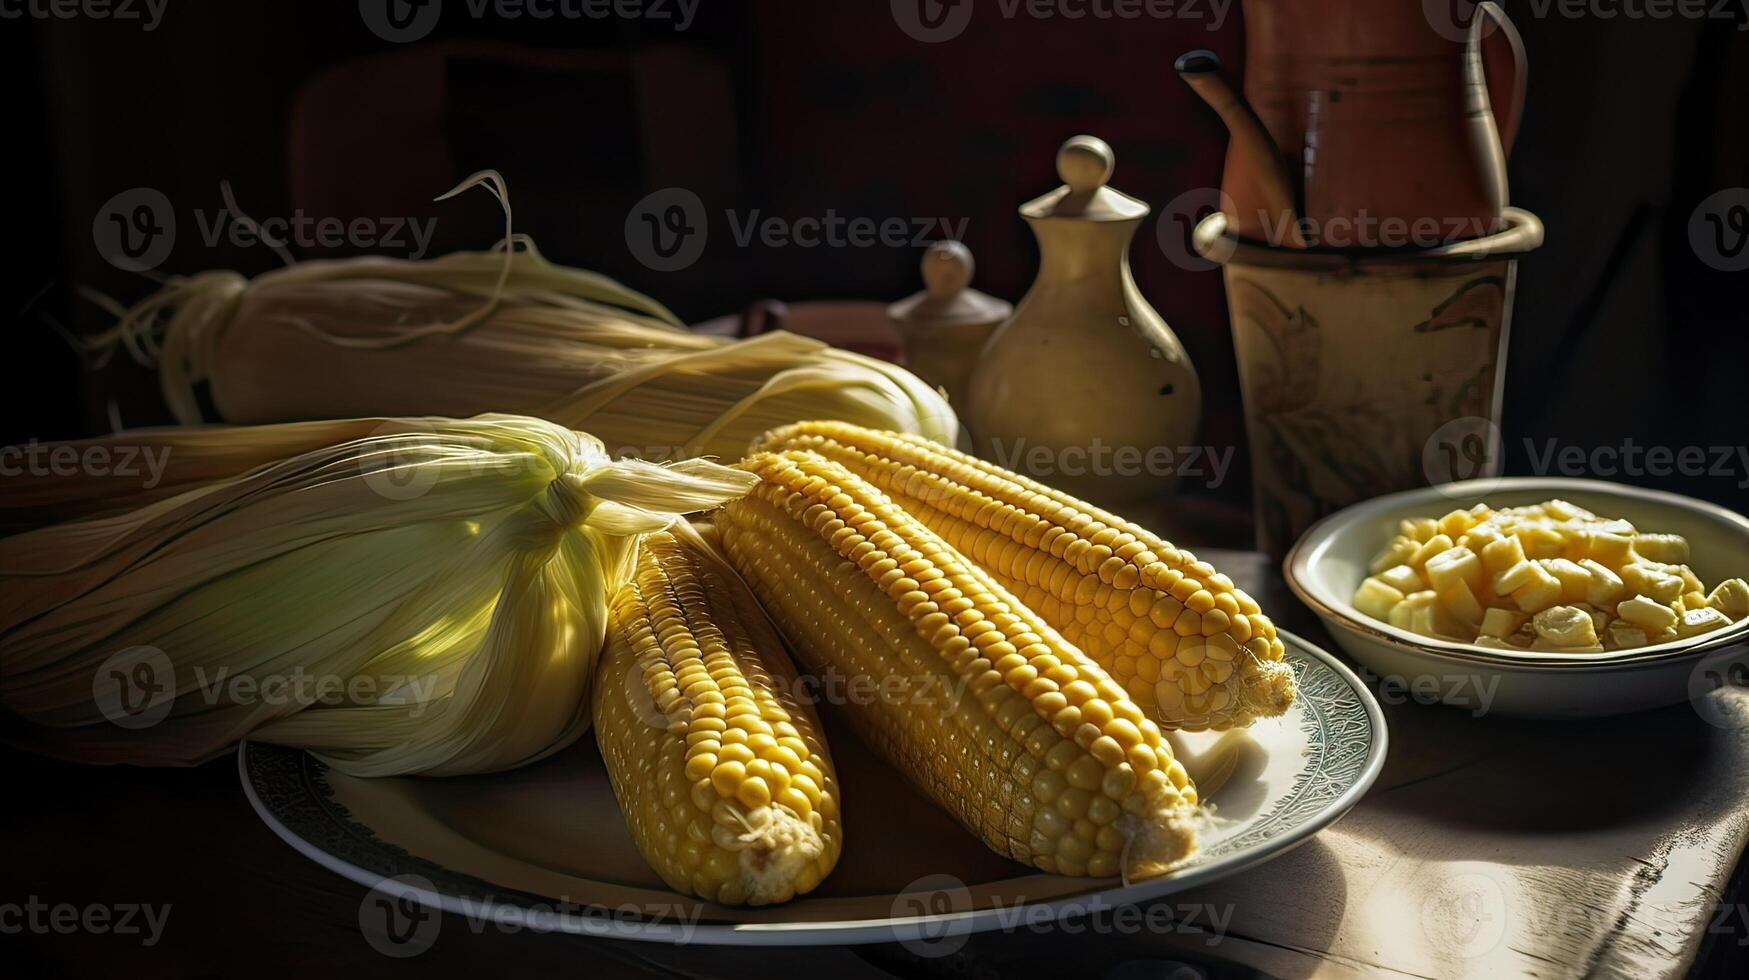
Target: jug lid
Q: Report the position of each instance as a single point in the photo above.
(947, 298)
(1084, 164)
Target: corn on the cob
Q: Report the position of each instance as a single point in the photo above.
(428, 599)
(1027, 742)
(497, 331)
(721, 772)
(1187, 646)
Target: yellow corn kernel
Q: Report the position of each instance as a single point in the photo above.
(1652, 581)
(1605, 588)
(1542, 541)
(1454, 524)
(1501, 622)
(1541, 591)
(1418, 529)
(1626, 636)
(1461, 603)
(691, 676)
(1455, 565)
(1112, 588)
(1376, 599)
(1500, 555)
(1647, 614)
(1575, 580)
(975, 697)
(1666, 549)
(1565, 626)
(1397, 552)
(1402, 578)
(1436, 545)
(1731, 597)
(1510, 580)
(1703, 620)
(1612, 550)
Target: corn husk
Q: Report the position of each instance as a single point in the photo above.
(502, 330)
(438, 587)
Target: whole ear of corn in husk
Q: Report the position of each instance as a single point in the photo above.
(498, 331)
(428, 599)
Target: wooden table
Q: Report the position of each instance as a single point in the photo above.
(1489, 848)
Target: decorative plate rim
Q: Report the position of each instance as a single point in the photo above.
(460, 893)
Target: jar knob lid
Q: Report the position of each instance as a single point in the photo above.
(1085, 163)
(947, 269)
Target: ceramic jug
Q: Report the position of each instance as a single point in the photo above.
(1085, 387)
(1386, 110)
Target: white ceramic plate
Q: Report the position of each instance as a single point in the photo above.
(515, 844)
(1331, 559)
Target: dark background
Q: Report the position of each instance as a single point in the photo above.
(790, 109)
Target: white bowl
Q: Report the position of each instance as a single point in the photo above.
(1332, 558)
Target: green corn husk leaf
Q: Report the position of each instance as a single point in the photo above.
(439, 588)
(498, 331)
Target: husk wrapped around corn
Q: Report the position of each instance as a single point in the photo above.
(427, 597)
(497, 331)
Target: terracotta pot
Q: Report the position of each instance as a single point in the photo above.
(1387, 110)
(1351, 361)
